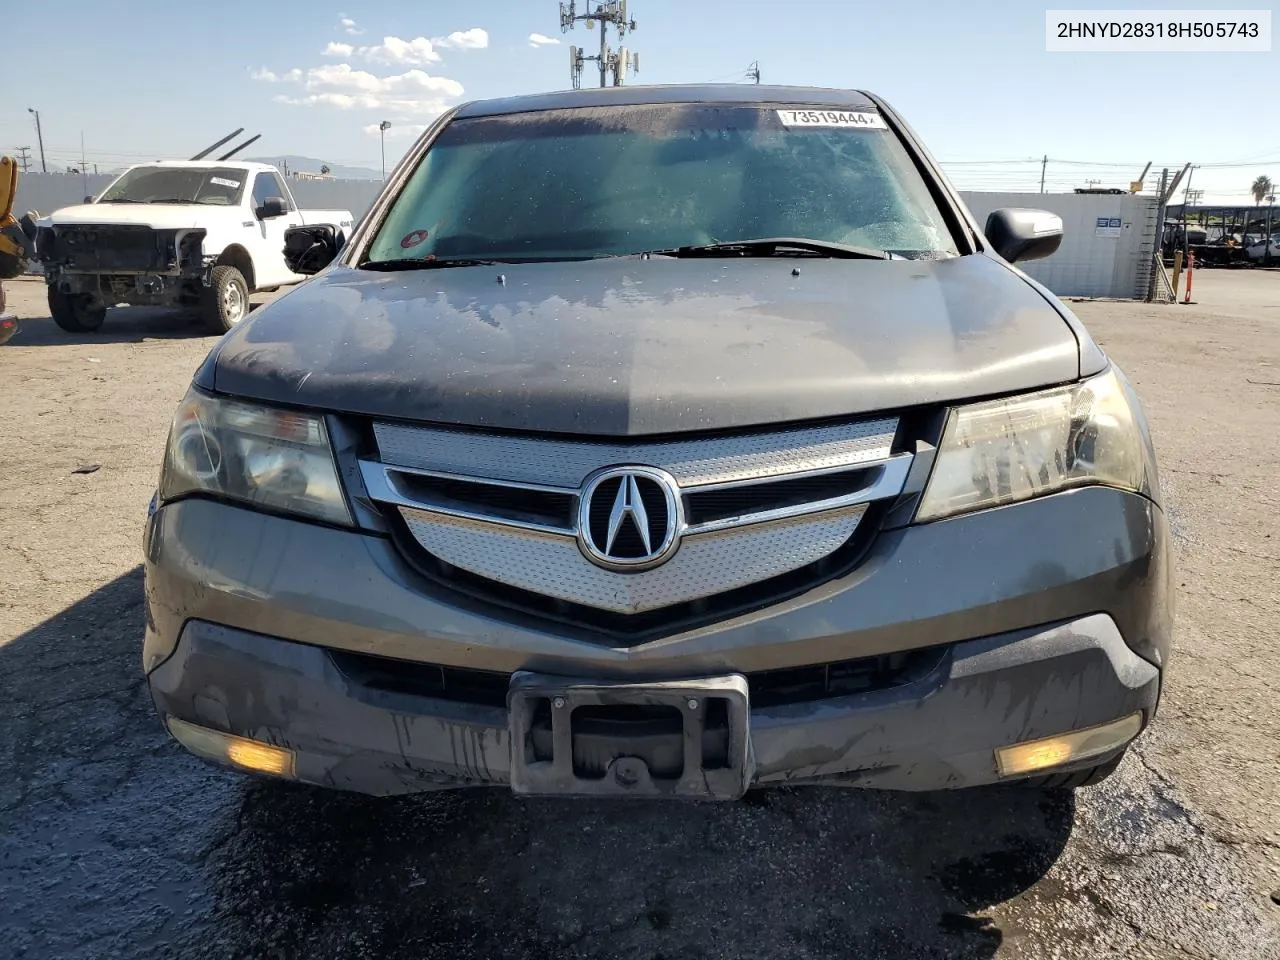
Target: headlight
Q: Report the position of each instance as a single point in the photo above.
(1009, 450)
(270, 458)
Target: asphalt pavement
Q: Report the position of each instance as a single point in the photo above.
(114, 843)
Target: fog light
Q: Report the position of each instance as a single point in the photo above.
(226, 748)
(1033, 755)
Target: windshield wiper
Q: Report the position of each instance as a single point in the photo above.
(122, 200)
(778, 247)
(433, 263)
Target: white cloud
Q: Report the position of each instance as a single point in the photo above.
(417, 52)
(267, 76)
(349, 26)
(474, 39)
(409, 96)
(342, 101)
(540, 40)
(344, 77)
(420, 51)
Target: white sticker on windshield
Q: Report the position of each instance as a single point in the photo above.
(831, 118)
(225, 183)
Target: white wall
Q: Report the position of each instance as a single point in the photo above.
(1089, 263)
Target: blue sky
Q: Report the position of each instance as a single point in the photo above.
(152, 78)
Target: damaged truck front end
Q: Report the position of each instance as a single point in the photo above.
(90, 267)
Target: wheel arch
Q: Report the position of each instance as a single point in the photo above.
(240, 258)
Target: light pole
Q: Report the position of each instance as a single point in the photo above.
(382, 133)
(39, 136)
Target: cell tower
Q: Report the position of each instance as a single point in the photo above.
(612, 62)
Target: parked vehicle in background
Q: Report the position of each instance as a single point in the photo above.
(1260, 250)
(745, 458)
(195, 234)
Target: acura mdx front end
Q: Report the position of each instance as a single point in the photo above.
(748, 459)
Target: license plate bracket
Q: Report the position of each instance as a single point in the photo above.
(711, 710)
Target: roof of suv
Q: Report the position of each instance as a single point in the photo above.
(673, 93)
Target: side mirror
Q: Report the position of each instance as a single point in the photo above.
(1018, 233)
(309, 249)
(271, 208)
(88, 199)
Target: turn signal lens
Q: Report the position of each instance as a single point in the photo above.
(225, 748)
(1033, 755)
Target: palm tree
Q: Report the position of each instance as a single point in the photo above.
(1261, 187)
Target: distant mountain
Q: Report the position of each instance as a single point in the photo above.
(312, 165)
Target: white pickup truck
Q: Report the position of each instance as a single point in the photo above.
(202, 235)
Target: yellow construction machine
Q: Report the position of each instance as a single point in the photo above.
(14, 245)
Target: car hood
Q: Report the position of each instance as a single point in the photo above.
(631, 346)
(159, 216)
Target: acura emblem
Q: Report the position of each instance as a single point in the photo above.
(629, 518)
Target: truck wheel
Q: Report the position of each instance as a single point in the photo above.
(226, 301)
(75, 312)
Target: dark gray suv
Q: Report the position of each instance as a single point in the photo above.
(661, 442)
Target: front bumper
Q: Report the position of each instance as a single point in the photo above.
(937, 732)
(1049, 616)
(138, 289)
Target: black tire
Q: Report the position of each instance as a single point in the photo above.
(75, 312)
(226, 300)
(1076, 778)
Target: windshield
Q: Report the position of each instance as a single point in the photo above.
(610, 181)
(220, 186)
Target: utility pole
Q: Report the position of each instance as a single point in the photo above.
(753, 73)
(84, 173)
(1044, 165)
(24, 157)
(44, 168)
(606, 12)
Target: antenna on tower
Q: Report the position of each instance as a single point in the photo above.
(575, 66)
(611, 62)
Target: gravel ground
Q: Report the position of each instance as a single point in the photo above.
(115, 844)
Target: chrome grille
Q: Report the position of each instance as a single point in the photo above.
(566, 463)
(751, 507)
(706, 564)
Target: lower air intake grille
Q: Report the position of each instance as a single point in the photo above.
(768, 688)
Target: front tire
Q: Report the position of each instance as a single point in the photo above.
(75, 313)
(226, 301)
